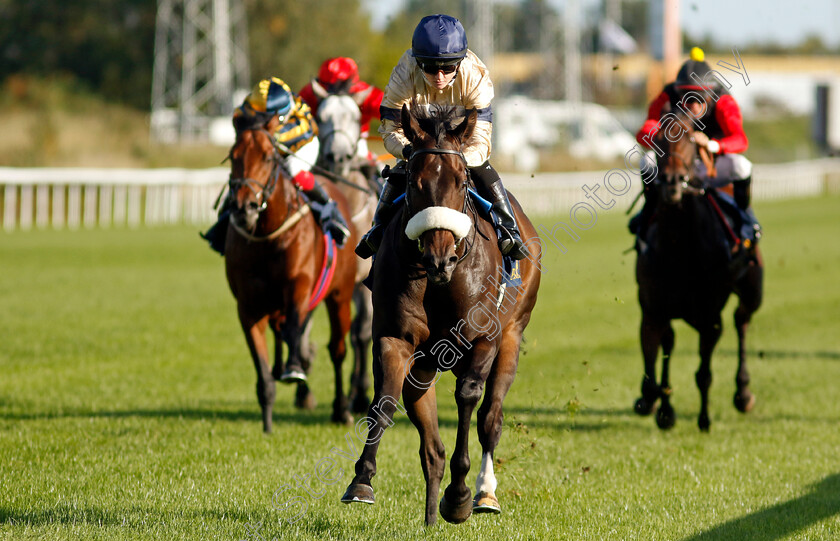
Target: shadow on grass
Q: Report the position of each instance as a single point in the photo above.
(564, 411)
(781, 520)
(305, 418)
(767, 355)
(96, 516)
(62, 514)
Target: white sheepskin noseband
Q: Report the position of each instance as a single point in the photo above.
(438, 218)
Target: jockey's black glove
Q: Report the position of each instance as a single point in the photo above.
(406, 152)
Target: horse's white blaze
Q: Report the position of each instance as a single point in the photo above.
(486, 480)
(438, 218)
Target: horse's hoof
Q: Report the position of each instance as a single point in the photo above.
(305, 399)
(293, 374)
(643, 407)
(703, 422)
(744, 401)
(486, 502)
(343, 418)
(665, 418)
(359, 404)
(358, 493)
(458, 512)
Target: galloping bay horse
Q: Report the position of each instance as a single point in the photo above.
(442, 303)
(339, 131)
(685, 272)
(279, 265)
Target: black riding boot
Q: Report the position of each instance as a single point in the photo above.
(393, 188)
(490, 186)
(327, 213)
(510, 243)
(217, 233)
(639, 223)
(742, 193)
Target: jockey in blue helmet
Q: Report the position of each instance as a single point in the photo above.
(440, 69)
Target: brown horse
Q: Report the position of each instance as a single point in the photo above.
(685, 271)
(440, 304)
(274, 255)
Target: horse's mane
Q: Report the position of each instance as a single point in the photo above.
(436, 119)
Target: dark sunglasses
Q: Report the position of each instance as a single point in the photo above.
(432, 69)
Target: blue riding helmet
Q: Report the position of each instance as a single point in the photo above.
(279, 99)
(272, 96)
(439, 39)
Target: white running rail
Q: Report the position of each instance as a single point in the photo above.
(77, 197)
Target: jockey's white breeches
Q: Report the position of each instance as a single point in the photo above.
(730, 168)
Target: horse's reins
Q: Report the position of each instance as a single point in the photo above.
(264, 192)
(321, 171)
(708, 161)
(689, 167)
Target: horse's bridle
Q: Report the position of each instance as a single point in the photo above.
(421, 151)
(262, 192)
(332, 133)
(464, 186)
(685, 180)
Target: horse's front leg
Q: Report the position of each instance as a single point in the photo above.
(338, 308)
(709, 336)
(254, 330)
(390, 358)
(665, 416)
(650, 333)
(490, 417)
(361, 330)
(298, 364)
(293, 332)
(749, 290)
(421, 406)
(304, 398)
(456, 504)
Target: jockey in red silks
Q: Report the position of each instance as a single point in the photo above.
(440, 69)
(341, 74)
(698, 92)
(296, 136)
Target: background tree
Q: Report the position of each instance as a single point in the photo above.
(291, 39)
(106, 45)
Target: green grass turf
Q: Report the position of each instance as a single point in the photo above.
(128, 411)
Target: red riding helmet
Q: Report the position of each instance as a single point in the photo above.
(337, 70)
